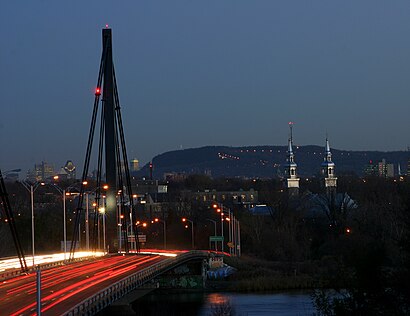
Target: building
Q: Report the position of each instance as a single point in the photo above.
(70, 170)
(246, 199)
(41, 172)
(134, 165)
(380, 169)
(175, 176)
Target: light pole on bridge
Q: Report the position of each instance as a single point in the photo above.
(32, 188)
(192, 230)
(216, 244)
(156, 220)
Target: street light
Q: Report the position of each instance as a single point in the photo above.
(139, 224)
(101, 210)
(31, 188)
(228, 219)
(216, 244)
(63, 192)
(156, 220)
(192, 230)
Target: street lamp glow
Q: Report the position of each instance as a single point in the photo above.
(102, 210)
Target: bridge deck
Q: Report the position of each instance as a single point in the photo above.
(65, 286)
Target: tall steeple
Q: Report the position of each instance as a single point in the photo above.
(328, 168)
(292, 181)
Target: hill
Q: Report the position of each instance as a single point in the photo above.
(265, 161)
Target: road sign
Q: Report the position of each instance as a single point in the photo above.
(142, 238)
(216, 238)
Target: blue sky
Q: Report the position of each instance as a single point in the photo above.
(196, 73)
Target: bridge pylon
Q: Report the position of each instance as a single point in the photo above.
(113, 204)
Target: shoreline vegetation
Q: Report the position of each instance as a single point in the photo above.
(258, 275)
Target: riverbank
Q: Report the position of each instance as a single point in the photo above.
(256, 275)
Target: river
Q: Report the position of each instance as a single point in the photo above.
(214, 304)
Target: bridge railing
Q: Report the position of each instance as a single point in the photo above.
(115, 291)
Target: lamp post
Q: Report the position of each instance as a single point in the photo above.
(119, 223)
(87, 227)
(216, 245)
(66, 192)
(63, 192)
(165, 230)
(192, 230)
(133, 243)
(101, 212)
(229, 220)
(139, 224)
(239, 240)
(31, 188)
(220, 210)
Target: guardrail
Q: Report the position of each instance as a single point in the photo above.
(110, 294)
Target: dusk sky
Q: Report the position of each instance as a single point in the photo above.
(196, 73)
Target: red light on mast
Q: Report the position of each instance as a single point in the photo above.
(97, 91)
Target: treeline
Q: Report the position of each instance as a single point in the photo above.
(357, 243)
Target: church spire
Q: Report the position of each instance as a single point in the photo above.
(292, 181)
(328, 168)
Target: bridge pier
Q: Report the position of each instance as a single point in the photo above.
(123, 306)
(189, 276)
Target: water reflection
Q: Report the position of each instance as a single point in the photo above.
(215, 304)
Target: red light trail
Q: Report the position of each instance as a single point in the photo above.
(63, 287)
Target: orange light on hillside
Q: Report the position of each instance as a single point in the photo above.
(55, 177)
(184, 219)
(85, 182)
(105, 186)
(215, 205)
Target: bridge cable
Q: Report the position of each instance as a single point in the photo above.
(12, 224)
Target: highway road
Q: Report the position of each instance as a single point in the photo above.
(65, 286)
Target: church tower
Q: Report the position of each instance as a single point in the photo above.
(328, 169)
(292, 181)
